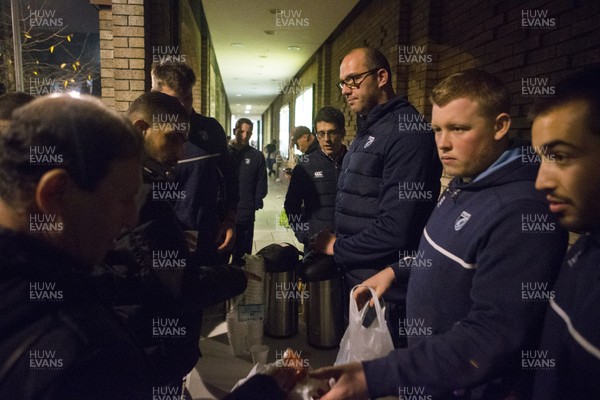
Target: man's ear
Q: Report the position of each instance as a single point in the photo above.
(53, 190)
(382, 77)
(141, 126)
(502, 125)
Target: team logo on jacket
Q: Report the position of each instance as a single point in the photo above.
(461, 220)
(247, 161)
(370, 141)
(318, 174)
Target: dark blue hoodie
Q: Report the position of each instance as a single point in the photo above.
(478, 289)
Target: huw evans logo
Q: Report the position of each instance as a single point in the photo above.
(41, 86)
(45, 20)
(162, 54)
(537, 19)
(291, 19)
(537, 223)
(168, 328)
(413, 191)
(169, 123)
(45, 155)
(531, 155)
(413, 55)
(414, 327)
(167, 191)
(412, 123)
(45, 223)
(537, 87)
(44, 359)
(414, 259)
(44, 291)
(289, 86)
(168, 393)
(536, 291)
(291, 359)
(167, 259)
(537, 359)
(295, 222)
(413, 393)
(290, 291)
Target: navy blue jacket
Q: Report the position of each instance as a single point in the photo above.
(209, 179)
(251, 167)
(470, 311)
(575, 350)
(373, 222)
(310, 199)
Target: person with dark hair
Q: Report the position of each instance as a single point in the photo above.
(70, 170)
(209, 210)
(153, 276)
(480, 281)
(271, 150)
(393, 152)
(310, 198)
(304, 140)
(566, 135)
(253, 186)
(11, 101)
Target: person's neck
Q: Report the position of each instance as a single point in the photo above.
(384, 96)
(239, 146)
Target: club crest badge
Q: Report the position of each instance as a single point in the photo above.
(370, 141)
(461, 220)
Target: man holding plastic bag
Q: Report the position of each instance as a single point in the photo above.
(480, 282)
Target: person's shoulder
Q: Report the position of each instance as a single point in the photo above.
(205, 122)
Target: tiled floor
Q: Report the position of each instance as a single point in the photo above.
(219, 370)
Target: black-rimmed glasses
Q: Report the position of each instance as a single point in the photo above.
(350, 81)
(332, 133)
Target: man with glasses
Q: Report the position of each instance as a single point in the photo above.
(390, 178)
(310, 199)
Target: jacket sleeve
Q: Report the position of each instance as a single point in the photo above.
(410, 159)
(261, 182)
(294, 199)
(217, 283)
(500, 322)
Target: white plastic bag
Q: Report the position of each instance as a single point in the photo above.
(360, 343)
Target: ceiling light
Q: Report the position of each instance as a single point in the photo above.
(262, 56)
(246, 112)
(294, 48)
(238, 95)
(270, 32)
(237, 44)
(248, 106)
(275, 10)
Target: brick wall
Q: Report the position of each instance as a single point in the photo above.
(122, 53)
(457, 35)
(131, 35)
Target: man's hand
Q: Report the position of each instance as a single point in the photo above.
(350, 381)
(323, 242)
(381, 282)
(226, 236)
